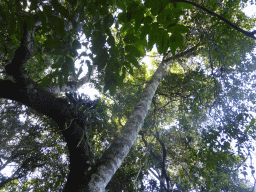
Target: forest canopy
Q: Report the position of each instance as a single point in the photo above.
(181, 120)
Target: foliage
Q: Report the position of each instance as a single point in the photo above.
(201, 107)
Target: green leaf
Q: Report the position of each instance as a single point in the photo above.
(176, 40)
(110, 84)
(79, 72)
(112, 89)
(252, 122)
(239, 117)
(58, 25)
(101, 60)
(33, 5)
(72, 2)
(47, 9)
(161, 40)
(71, 65)
(57, 183)
(130, 49)
(107, 23)
(45, 81)
(246, 129)
(173, 44)
(60, 9)
(130, 39)
(154, 5)
(128, 65)
(65, 69)
(60, 80)
(24, 2)
(139, 17)
(88, 62)
(43, 19)
(76, 45)
(147, 21)
(152, 36)
(144, 32)
(122, 17)
(12, 26)
(185, 5)
(111, 40)
(178, 29)
(132, 60)
(52, 43)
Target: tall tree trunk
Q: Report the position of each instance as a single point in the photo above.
(111, 160)
(114, 156)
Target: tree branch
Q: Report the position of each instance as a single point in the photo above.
(247, 33)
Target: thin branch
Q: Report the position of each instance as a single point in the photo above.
(247, 33)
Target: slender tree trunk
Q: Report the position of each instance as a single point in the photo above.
(111, 160)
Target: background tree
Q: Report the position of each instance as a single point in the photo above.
(166, 105)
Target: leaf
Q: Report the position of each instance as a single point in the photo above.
(144, 32)
(65, 69)
(178, 29)
(185, 5)
(154, 5)
(71, 65)
(24, 2)
(33, 5)
(130, 38)
(111, 40)
(152, 36)
(139, 17)
(110, 84)
(252, 122)
(52, 43)
(60, 80)
(79, 71)
(12, 26)
(43, 19)
(130, 49)
(239, 117)
(108, 22)
(132, 60)
(246, 129)
(122, 17)
(58, 25)
(101, 59)
(47, 9)
(147, 21)
(72, 2)
(76, 45)
(60, 9)
(128, 65)
(45, 81)
(58, 182)
(160, 40)
(176, 40)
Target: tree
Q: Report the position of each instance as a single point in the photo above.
(45, 36)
